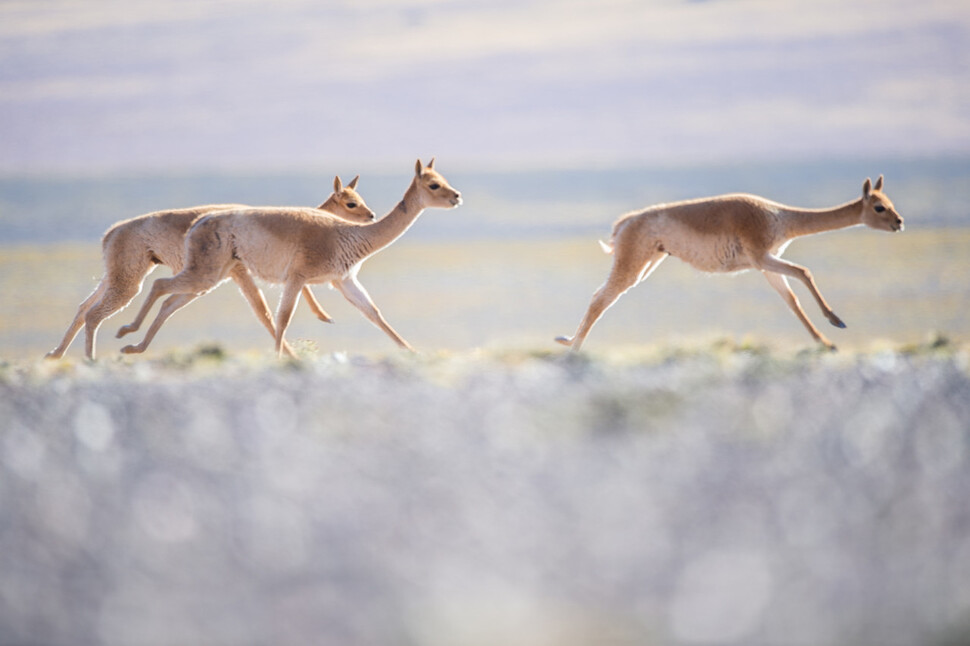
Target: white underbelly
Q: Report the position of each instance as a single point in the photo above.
(710, 253)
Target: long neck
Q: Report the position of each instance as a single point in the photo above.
(803, 222)
(393, 225)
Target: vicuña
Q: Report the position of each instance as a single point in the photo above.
(133, 248)
(291, 248)
(730, 233)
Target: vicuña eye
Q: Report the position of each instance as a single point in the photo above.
(351, 205)
(879, 208)
(434, 187)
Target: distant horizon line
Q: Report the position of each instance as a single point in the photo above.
(467, 166)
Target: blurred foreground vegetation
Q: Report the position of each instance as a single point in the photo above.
(715, 493)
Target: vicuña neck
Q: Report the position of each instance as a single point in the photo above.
(803, 222)
(393, 225)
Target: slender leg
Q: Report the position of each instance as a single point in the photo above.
(160, 287)
(284, 314)
(257, 301)
(208, 261)
(172, 304)
(780, 283)
(78, 321)
(113, 299)
(624, 275)
(315, 306)
(779, 266)
(354, 292)
(184, 287)
(116, 289)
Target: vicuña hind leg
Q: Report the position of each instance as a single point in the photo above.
(172, 304)
(208, 262)
(116, 289)
(625, 274)
(160, 288)
(184, 287)
(113, 299)
(78, 321)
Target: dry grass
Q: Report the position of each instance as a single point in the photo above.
(517, 294)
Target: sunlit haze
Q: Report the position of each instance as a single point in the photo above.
(212, 84)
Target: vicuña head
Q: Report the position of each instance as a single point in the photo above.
(435, 191)
(878, 211)
(346, 203)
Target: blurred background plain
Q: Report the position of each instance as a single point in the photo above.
(552, 117)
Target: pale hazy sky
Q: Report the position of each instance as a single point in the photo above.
(132, 85)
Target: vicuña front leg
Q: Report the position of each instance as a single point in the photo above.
(315, 306)
(257, 301)
(284, 314)
(354, 292)
(780, 283)
(785, 268)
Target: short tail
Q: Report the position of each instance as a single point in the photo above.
(618, 226)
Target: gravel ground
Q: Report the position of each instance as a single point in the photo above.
(726, 496)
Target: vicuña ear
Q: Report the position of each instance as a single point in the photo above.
(431, 163)
(337, 184)
(866, 188)
(353, 182)
(878, 185)
(417, 168)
